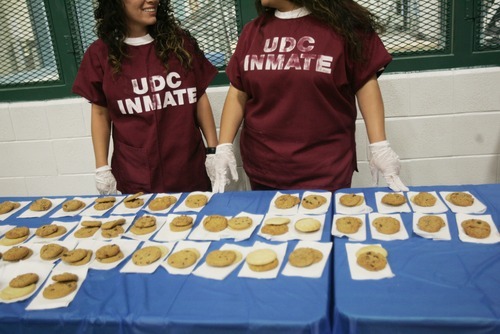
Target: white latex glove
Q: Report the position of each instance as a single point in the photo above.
(105, 181)
(224, 162)
(384, 159)
(210, 167)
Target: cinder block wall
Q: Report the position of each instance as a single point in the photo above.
(445, 126)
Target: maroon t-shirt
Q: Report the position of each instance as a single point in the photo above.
(158, 145)
(299, 119)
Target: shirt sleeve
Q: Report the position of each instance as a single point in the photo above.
(234, 67)
(376, 60)
(88, 81)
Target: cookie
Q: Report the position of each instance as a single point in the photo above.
(351, 200)
(264, 267)
(386, 225)
(104, 203)
(372, 248)
(348, 225)
(307, 225)
(142, 231)
(23, 280)
(183, 259)
(109, 254)
(41, 204)
(240, 223)
(113, 223)
(393, 199)
(10, 293)
(196, 201)
(59, 289)
(17, 253)
(134, 201)
(372, 261)
(113, 232)
(73, 205)
(221, 258)
(65, 277)
(8, 206)
(277, 221)
(215, 223)
(424, 199)
(91, 223)
(313, 201)
(430, 224)
(145, 221)
(460, 199)
(74, 255)
(60, 230)
(162, 203)
(146, 255)
(274, 229)
(46, 230)
(286, 201)
(51, 251)
(181, 223)
(107, 251)
(17, 232)
(261, 257)
(85, 232)
(304, 257)
(85, 260)
(476, 228)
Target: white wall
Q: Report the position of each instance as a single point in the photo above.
(445, 125)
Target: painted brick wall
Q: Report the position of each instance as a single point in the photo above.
(445, 126)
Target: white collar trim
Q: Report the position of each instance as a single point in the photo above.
(136, 41)
(292, 14)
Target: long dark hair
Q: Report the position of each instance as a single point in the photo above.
(345, 17)
(168, 34)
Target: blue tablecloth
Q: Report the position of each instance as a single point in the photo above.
(439, 287)
(113, 302)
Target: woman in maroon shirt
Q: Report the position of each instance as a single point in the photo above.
(295, 76)
(146, 79)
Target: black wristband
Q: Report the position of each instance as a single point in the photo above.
(210, 150)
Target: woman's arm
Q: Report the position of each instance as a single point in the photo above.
(232, 114)
(371, 106)
(205, 118)
(101, 133)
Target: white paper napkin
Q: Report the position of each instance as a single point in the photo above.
(286, 212)
(359, 209)
(160, 221)
(22, 204)
(167, 210)
(11, 270)
(131, 267)
(315, 270)
(280, 250)
(493, 238)
(69, 226)
(439, 207)
(42, 303)
(442, 234)
(34, 214)
(182, 207)
(127, 247)
(61, 213)
(37, 246)
(320, 210)
(476, 207)
(121, 209)
(360, 273)
(206, 271)
(91, 211)
(200, 233)
(360, 235)
(384, 208)
(402, 234)
(201, 247)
